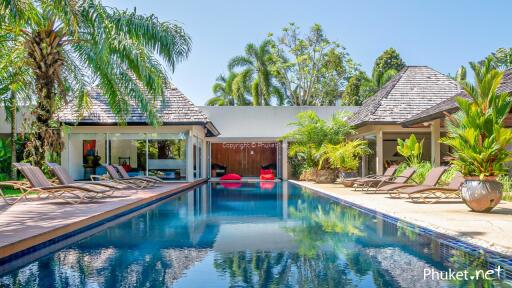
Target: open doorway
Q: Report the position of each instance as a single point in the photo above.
(244, 159)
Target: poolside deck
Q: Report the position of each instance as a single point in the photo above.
(30, 223)
(452, 217)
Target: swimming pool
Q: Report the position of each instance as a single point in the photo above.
(253, 234)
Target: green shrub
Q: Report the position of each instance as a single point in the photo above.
(421, 171)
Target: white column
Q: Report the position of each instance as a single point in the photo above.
(284, 159)
(379, 159)
(435, 146)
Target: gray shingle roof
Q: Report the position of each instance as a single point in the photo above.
(412, 90)
(176, 109)
(450, 106)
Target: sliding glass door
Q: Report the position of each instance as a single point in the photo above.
(167, 156)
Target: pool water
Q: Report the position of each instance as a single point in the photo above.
(250, 235)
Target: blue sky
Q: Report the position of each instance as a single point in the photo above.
(440, 34)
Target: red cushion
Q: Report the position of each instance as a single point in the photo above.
(266, 172)
(267, 177)
(231, 176)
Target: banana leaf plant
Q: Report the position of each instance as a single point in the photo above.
(411, 149)
(344, 156)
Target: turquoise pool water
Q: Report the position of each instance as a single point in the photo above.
(250, 235)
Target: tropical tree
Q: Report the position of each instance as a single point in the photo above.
(311, 69)
(360, 87)
(389, 60)
(15, 86)
(502, 58)
(70, 45)
(476, 133)
(224, 93)
(254, 75)
(461, 74)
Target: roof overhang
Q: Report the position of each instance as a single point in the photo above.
(211, 130)
(429, 117)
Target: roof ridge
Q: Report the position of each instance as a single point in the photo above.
(391, 83)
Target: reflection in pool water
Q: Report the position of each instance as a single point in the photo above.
(250, 235)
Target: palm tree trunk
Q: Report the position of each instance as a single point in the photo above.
(13, 133)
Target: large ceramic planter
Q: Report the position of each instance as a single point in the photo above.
(325, 176)
(481, 195)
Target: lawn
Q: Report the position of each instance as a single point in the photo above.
(9, 192)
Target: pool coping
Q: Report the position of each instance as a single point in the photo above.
(471, 248)
(26, 246)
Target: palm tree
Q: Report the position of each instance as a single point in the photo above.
(70, 45)
(224, 93)
(15, 86)
(255, 72)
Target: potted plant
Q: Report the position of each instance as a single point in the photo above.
(340, 158)
(479, 139)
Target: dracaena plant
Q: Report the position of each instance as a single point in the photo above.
(476, 133)
(411, 149)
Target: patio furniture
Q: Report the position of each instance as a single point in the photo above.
(428, 195)
(41, 186)
(397, 181)
(65, 179)
(124, 174)
(267, 175)
(116, 177)
(431, 180)
(363, 182)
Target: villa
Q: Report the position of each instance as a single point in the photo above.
(195, 142)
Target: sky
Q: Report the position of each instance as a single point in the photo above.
(442, 34)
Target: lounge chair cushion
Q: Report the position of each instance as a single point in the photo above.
(231, 176)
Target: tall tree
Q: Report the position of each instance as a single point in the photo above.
(224, 93)
(461, 74)
(254, 74)
(389, 60)
(360, 86)
(70, 45)
(15, 86)
(311, 69)
(502, 58)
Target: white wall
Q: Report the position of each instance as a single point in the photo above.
(262, 121)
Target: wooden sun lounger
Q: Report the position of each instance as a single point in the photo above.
(125, 175)
(371, 180)
(397, 181)
(428, 195)
(41, 186)
(134, 181)
(433, 176)
(65, 179)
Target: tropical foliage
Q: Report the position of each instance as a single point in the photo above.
(225, 94)
(253, 75)
(476, 132)
(343, 156)
(311, 133)
(311, 69)
(411, 149)
(70, 45)
(360, 86)
(502, 58)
